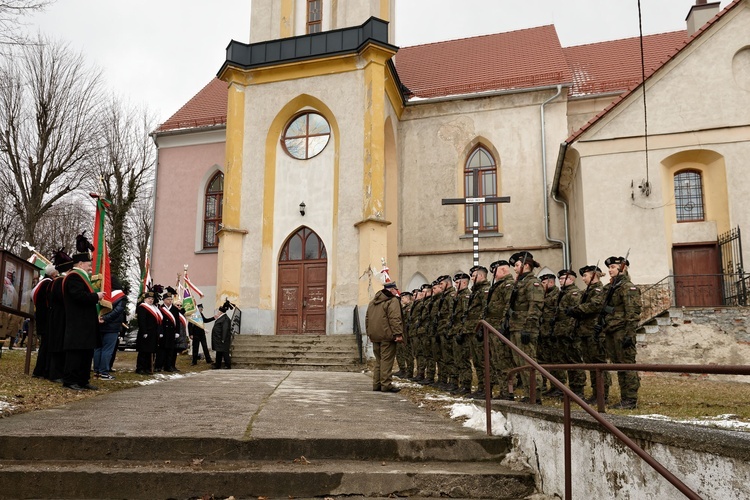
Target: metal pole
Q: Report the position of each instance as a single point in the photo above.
(568, 474)
(487, 383)
(600, 402)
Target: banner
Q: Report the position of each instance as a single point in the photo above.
(101, 276)
(192, 287)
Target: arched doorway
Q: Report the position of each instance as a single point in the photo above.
(303, 267)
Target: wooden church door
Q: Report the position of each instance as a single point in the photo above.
(301, 299)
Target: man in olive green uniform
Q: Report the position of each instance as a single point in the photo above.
(545, 345)
(498, 299)
(563, 332)
(425, 334)
(403, 354)
(621, 315)
(442, 316)
(384, 326)
(415, 340)
(461, 354)
(586, 314)
(526, 313)
(474, 313)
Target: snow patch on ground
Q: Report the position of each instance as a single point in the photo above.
(476, 418)
(5, 406)
(726, 421)
(161, 377)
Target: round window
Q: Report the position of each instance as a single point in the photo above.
(306, 136)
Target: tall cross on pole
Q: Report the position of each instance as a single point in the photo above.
(475, 203)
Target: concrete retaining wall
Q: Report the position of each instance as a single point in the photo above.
(714, 463)
(730, 320)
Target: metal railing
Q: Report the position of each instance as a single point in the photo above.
(569, 395)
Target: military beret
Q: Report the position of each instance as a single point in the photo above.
(548, 276)
(461, 276)
(586, 269)
(415, 291)
(426, 286)
(404, 294)
(390, 284)
(615, 260)
(435, 283)
(526, 257)
(442, 278)
(497, 264)
(478, 268)
(566, 272)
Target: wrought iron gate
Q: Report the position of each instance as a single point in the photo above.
(735, 280)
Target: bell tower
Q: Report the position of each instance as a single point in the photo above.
(274, 19)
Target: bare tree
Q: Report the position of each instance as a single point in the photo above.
(141, 221)
(60, 225)
(10, 229)
(48, 134)
(12, 13)
(125, 167)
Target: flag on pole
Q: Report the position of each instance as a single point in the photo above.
(101, 277)
(192, 287)
(146, 280)
(385, 272)
(191, 312)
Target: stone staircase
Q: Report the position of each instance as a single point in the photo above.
(186, 468)
(653, 326)
(296, 352)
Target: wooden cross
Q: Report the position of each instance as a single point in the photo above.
(475, 203)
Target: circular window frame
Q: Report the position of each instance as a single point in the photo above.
(307, 135)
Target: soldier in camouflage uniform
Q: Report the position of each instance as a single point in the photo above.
(586, 314)
(563, 332)
(442, 316)
(525, 316)
(498, 298)
(460, 347)
(403, 352)
(545, 345)
(621, 315)
(425, 374)
(475, 312)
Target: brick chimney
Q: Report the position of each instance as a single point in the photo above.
(700, 14)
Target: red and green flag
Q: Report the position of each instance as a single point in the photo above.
(100, 261)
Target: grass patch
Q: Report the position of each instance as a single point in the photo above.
(20, 393)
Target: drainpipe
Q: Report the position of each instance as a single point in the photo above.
(564, 243)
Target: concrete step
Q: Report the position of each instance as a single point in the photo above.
(190, 477)
(308, 352)
(650, 329)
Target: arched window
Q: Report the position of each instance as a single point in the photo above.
(480, 180)
(306, 136)
(213, 210)
(304, 245)
(314, 16)
(688, 196)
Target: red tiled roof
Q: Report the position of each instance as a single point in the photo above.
(615, 65)
(650, 71)
(208, 107)
(514, 60)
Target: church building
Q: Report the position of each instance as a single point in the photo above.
(322, 150)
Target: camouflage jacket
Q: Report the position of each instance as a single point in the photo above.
(497, 301)
(460, 305)
(625, 304)
(414, 317)
(444, 311)
(570, 296)
(406, 314)
(425, 323)
(526, 313)
(551, 298)
(475, 307)
(592, 300)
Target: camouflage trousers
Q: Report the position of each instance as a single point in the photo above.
(476, 350)
(462, 362)
(437, 357)
(428, 348)
(422, 347)
(629, 382)
(566, 350)
(530, 350)
(404, 357)
(448, 354)
(501, 360)
(544, 349)
(592, 351)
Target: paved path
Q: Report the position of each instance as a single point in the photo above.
(244, 404)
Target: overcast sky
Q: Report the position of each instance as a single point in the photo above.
(162, 52)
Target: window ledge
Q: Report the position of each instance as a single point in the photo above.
(481, 235)
(207, 250)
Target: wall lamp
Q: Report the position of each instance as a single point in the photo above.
(302, 207)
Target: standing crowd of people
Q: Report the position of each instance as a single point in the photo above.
(436, 341)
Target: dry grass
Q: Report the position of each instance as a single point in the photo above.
(24, 393)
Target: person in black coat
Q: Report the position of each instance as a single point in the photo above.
(81, 324)
(40, 295)
(198, 336)
(149, 327)
(221, 337)
(56, 322)
(170, 332)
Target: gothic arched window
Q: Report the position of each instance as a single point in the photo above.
(480, 180)
(213, 210)
(688, 196)
(304, 245)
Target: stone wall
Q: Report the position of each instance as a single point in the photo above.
(728, 320)
(713, 463)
